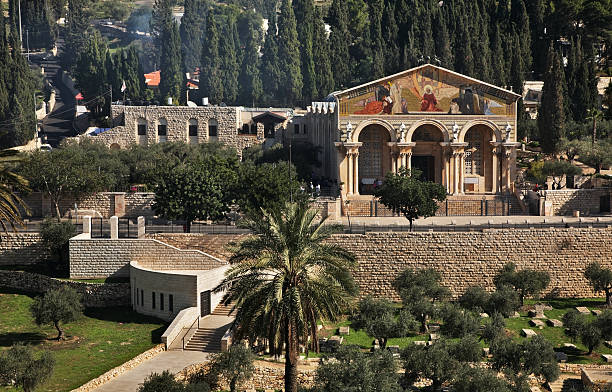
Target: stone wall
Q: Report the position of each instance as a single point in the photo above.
(473, 258)
(565, 201)
(267, 376)
(21, 248)
(103, 257)
(94, 294)
(135, 204)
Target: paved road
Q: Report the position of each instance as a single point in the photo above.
(174, 361)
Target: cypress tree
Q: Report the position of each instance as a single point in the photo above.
(75, 39)
(464, 60)
(498, 65)
(91, 74)
(230, 68)
(551, 115)
(171, 82)
(321, 55)
(535, 9)
(132, 73)
(339, 39)
(482, 61)
(192, 30)
(520, 19)
(251, 88)
(442, 41)
(291, 82)
(377, 49)
(161, 18)
(211, 85)
(425, 37)
(391, 39)
(304, 12)
(270, 67)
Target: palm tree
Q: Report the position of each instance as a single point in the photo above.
(286, 277)
(10, 182)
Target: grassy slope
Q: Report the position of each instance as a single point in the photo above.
(101, 340)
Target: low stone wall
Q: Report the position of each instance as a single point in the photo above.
(473, 258)
(267, 376)
(104, 257)
(565, 201)
(94, 294)
(213, 244)
(132, 363)
(21, 249)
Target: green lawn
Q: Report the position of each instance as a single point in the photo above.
(101, 340)
(555, 335)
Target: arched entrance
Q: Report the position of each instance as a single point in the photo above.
(478, 166)
(374, 158)
(427, 152)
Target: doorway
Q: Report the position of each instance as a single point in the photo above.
(425, 163)
(205, 303)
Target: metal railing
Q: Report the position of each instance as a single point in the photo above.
(185, 335)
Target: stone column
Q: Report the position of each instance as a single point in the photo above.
(461, 171)
(394, 163)
(114, 227)
(495, 170)
(349, 177)
(506, 168)
(87, 225)
(409, 160)
(455, 173)
(141, 227)
(356, 169)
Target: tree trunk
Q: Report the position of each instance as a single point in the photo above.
(594, 130)
(233, 385)
(60, 335)
(291, 357)
(188, 226)
(57, 211)
(383, 343)
(424, 327)
(609, 298)
(410, 220)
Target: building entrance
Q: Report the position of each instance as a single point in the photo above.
(425, 163)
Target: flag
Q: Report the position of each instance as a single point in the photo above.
(123, 88)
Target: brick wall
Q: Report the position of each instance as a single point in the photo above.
(96, 258)
(21, 248)
(473, 258)
(565, 201)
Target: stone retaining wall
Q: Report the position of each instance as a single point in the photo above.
(132, 363)
(565, 201)
(265, 377)
(473, 258)
(21, 249)
(94, 294)
(104, 257)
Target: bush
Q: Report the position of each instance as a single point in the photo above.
(503, 300)
(495, 328)
(55, 238)
(604, 323)
(235, 365)
(574, 324)
(590, 336)
(18, 367)
(163, 382)
(475, 298)
(458, 322)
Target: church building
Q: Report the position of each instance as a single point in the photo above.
(458, 131)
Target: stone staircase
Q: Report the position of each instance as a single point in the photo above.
(208, 339)
(566, 383)
(224, 310)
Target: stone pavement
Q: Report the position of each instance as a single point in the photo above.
(174, 361)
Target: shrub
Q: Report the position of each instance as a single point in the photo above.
(504, 301)
(604, 323)
(574, 324)
(235, 365)
(458, 322)
(495, 328)
(55, 238)
(163, 382)
(475, 298)
(590, 336)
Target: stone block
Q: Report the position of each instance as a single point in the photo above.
(569, 345)
(608, 343)
(515, 315)
(583, 310)
(537, 323)
(554, 323)
(528, 332)
(434, 336)
(596, 312)
(561, 356)
(536, 314)
(484, 315)
(420, 343)
(114, 227)
(394, 349)
(344, 330)
(607, 357)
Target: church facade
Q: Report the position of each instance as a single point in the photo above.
(457, 131)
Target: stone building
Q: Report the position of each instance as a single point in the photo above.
(458, 131)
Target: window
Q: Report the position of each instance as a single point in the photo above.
(141, 297)
(254, 129)
(152, 299)
(296, 128)
(142, 129)
(193, 129)
(171, 302)
(161, 301)
(136, 296)
(212, 127)
(304, 129)
(473, 153)
(245, 129)
(162, 129)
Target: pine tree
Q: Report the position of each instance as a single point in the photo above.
(230, 68)
(211, 85)
(321, 57)
(171, 82)
(251, 89)
(270, 66)
(304, 12)
(551, 115)
(192, 30)
(339, 39)
(289, 56)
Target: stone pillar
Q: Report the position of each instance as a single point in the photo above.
(87, 225)
(495, 170)
(506, 168)
(349, 177)
(356, 170)
(409, 160)
(118, 204)
(455, 173)
(141, 227)
(394, 163)
(114, 227)
(461, 172)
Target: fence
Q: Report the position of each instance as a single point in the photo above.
(128, 227)
(448, 207)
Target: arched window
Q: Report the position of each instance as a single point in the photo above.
(141, 126)
(212, 127)
(254, 129)
(193, 127)
(473, 152)
(162, 130)
(245, 129)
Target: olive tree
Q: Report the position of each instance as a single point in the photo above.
(600, 279)
(19, 367)
(377, 318)
(235, 365)
(57, 306)
(526, 282)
